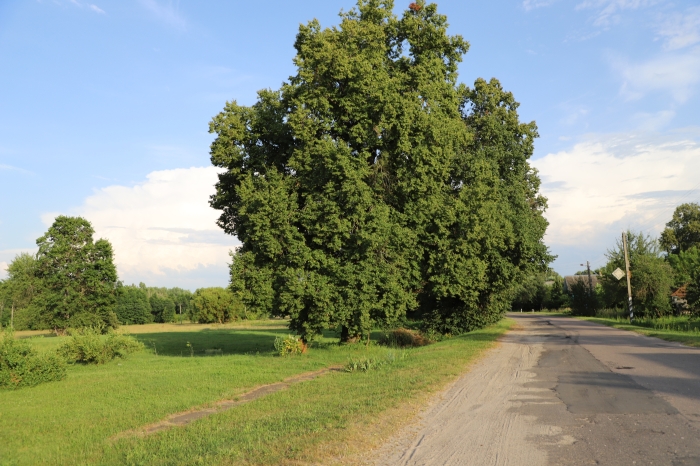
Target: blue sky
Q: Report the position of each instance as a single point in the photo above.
(104, 111)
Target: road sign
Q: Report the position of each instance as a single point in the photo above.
(618, 273)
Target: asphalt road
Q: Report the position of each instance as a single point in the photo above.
(559, 391)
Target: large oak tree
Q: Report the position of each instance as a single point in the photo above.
(373, 185)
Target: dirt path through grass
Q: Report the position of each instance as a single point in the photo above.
(185, 417)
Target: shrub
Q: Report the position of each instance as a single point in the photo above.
(403, 338)
(87, 346)
(21, 366)
(289, 345)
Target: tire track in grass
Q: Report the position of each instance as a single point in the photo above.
(185, 417)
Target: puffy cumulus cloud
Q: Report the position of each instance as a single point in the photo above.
(606, 184)
(161, 227)
(3, 270)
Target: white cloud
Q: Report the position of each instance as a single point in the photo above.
(3, 270)
(89, 6)
(608, 11)
(532, 4)
(680, 30)
(675, 73)
(653, 121)
(162, 226)
(605, 184)
(168, 13)
(574, 116)
(12, 168)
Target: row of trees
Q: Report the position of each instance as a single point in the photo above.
(658, 268)
(142, 304)
(72, 282)
(373, 186)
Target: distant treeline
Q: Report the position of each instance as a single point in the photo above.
(71, 282)
(142, 304)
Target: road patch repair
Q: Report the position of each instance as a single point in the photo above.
(186, 417)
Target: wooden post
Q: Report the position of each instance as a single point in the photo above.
(629, 277)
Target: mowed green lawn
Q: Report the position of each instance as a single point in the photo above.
(74, 421)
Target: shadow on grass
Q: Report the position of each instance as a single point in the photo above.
(211, 342)
(220, 342)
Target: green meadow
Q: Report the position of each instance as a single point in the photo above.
(184, 367)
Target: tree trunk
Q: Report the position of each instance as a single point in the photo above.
(345, 336)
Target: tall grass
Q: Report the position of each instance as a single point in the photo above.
(682, 329)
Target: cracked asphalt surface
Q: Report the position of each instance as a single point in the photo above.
(559, 391)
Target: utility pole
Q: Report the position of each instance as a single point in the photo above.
(629, 276)
(590, 279)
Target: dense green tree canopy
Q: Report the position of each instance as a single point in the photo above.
(78, 276)
(215, 305)
(683, 231)
(372, 184)
(685, 265)
(18, 292)
(162, 308)
(652, 277)
(133, 306)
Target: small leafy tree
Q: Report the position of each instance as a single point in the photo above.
(583, 300)
(685, 265)
(683, 231)
(20, 290)
(216, 305)
(652, 277)
(78, 276)
(558, 299)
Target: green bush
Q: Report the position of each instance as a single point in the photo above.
(87, 346)
(21, 366)
(289, 345)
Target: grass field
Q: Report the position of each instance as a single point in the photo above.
(680, 329)
(72, 421)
